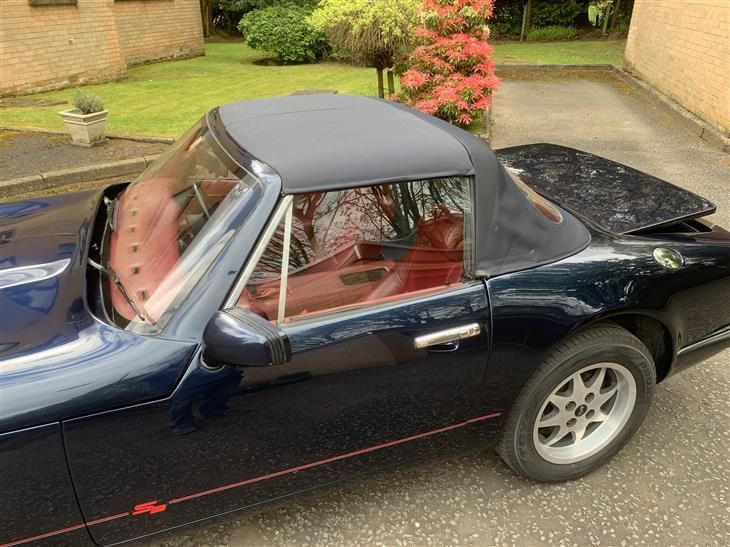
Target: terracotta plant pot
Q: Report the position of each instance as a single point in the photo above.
(86, 129)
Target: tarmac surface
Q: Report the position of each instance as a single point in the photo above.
(670, 486)
(24, 153)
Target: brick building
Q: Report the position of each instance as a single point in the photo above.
(682, 48)
(48, 44)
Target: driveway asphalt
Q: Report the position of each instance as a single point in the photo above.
(670, 486)
(25, 153)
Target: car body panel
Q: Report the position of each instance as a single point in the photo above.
(58, 360)
(41, 312)
(535, 310)
(585, 183)
(355, 382)
(37, 501)
(105, 367)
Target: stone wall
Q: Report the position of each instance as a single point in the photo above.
(48, 44)
(682, 48)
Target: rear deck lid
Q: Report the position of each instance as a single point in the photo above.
(613, 196)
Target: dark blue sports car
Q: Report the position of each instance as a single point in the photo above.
(309, 288)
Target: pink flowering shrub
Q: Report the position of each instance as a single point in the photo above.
(450, 73)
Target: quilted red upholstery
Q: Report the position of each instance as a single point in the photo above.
(435, 260)
(143, 249)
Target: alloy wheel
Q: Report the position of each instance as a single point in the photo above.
(584, 413)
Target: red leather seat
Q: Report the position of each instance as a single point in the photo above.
(435, 259)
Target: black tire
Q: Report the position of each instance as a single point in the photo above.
(603, 343)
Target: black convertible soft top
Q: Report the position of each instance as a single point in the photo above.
(327, 142)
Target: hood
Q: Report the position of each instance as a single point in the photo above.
(609, 194)
(43, 245)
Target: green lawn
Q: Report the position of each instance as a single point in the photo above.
(576, 52)
(164, 99)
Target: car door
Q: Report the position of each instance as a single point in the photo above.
(389, 340)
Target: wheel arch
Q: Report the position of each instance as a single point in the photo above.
(652, 332)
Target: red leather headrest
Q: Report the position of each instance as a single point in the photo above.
(444, 230)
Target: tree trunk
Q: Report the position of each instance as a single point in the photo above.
(605, 20)
(614, 16)
(206, 15)
(381, 90)
(526, 17)
(391, 83)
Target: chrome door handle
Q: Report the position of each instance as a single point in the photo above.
(453, 334)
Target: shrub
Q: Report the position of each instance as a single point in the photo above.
(284, 31)
(88, 104)
(227, 13)
(562, 13)
(376, 32)
(555, 32)
(507, 19)
(451, 74)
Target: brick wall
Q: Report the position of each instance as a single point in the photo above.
(51, 46)
(158, 29)
(44, 46)
(682, 47)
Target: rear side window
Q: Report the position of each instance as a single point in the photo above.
(362, 246)
(547, 209)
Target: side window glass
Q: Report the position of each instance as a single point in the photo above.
(363, 246)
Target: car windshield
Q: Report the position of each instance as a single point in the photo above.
(169, 225)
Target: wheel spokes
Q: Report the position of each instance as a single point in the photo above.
(579, 386)
(604, 396)
(560, 401)
(554, 419)
(559, 435)
(579, 431)
(597, 380)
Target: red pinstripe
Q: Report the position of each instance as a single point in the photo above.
(265, 477)
(64, 530)
(333, 459)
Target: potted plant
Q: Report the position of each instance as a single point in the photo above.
(87, 120)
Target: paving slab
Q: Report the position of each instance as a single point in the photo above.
(670, 486)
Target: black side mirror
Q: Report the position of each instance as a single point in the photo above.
(240, 338)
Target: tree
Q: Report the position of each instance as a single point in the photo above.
(206, 15)
(451, 73)
(378, 32)
(526, 20)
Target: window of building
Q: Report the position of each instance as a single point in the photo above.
(362, 246)
(52, 2)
